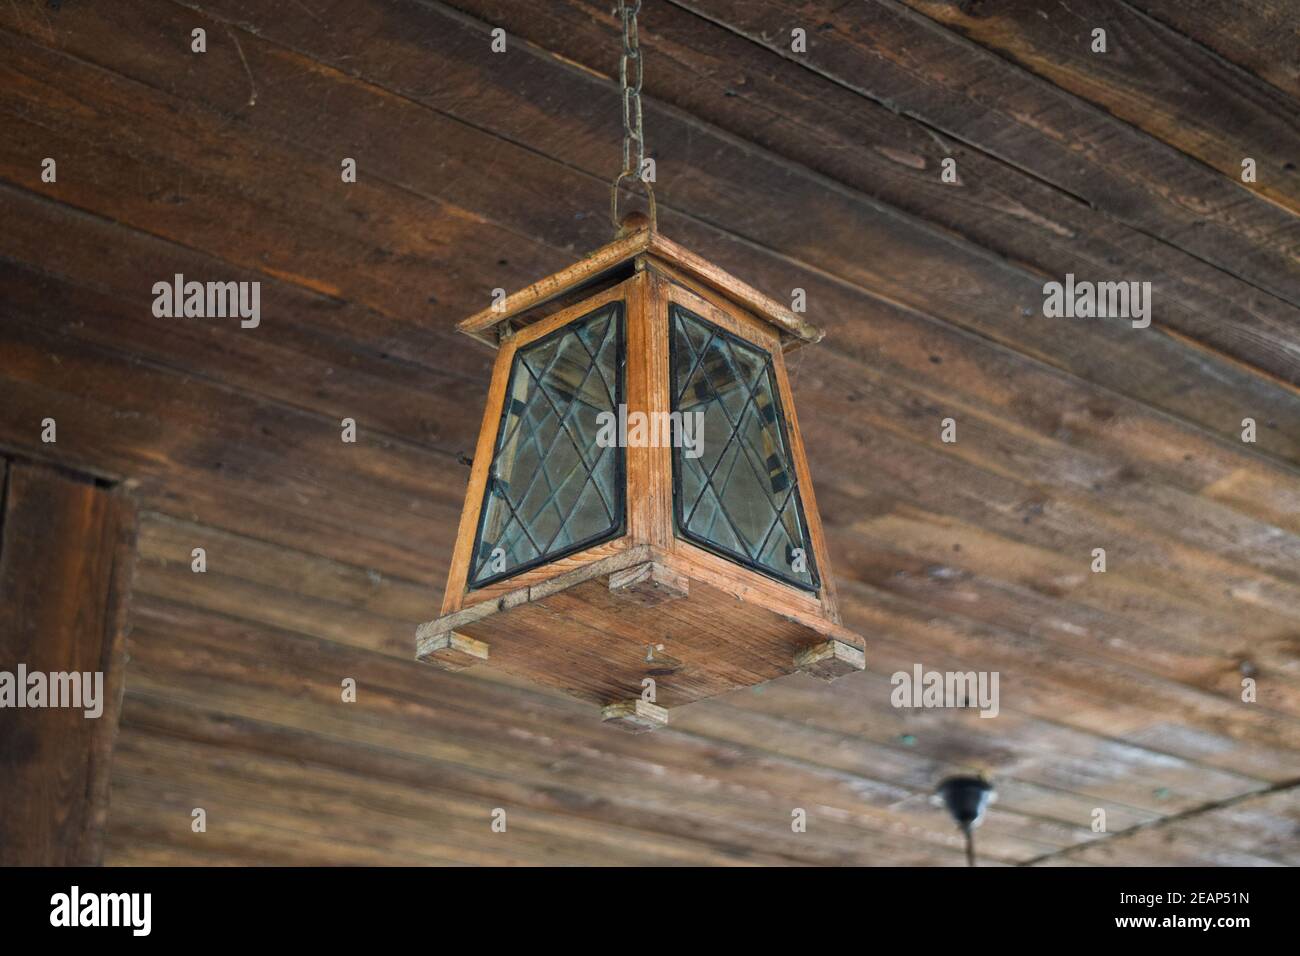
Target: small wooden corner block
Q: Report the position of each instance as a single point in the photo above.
(650, 584)
(831, 659)
(635, 716)
(450, 651)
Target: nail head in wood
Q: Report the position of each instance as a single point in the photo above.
(635, 716)
(831, 659)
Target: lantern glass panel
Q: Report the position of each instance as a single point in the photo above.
(552, 489)
(736, 493)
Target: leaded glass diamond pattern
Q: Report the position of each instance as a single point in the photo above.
(740, 497)
(551, 489)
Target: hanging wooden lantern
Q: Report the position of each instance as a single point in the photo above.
(640, 529)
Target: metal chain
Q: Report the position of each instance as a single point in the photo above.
(632, 130)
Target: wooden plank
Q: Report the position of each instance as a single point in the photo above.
(1117, 688)
(469, 710)
(1150, 76)
(607, 258)
(1086, 506)
(792, 328)
(976, 299)
(1135, 703)
(885, 154)
(649, 466)
(165, 546)
(832, 446)
(898, 57)
(1257, 35)
(1156, 375)
(851, 726)
(993, 582)
(453, 652)
(1277, 487)
(65, 569)
(393, 638)
(417, 236)
(635, 716)
(392, 398)
(650, 584)
(1254, 830)
(1143, 779)
(88, 251)
(830, 660)
(812, 516)
(122, 417)
(471, 509)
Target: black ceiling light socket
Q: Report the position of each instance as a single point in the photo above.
(966, 799)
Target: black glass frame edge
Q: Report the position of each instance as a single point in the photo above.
(616, 530)
(726, 553)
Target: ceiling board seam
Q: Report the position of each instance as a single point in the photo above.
(1210, 51)
(880, 206)
(854, 288)
(979, 626)
(1170, 820)
(999, 159)
(153, 514)
(290, 409)
(916, 16)
(163, 604)
(866, 826)
(828, 182)
(901, 306)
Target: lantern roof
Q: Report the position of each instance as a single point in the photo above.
(638, 244)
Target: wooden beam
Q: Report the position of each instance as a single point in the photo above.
(66, 557)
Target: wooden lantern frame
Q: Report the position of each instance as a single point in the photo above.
(648, 603)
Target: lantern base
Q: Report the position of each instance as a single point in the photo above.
(642, 618)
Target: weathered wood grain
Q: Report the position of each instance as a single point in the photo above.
(890, 156)
(554, 724)
(491, 111)
(1258, 35)
(1283, 437)
(1254, 830)
(900, 58)
(66, 555)
(1152, 77)
(480, 171)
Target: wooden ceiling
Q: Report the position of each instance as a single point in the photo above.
(819, 171)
